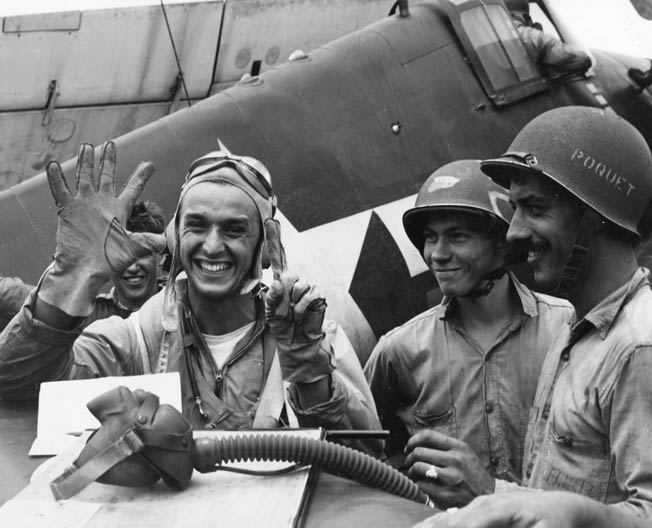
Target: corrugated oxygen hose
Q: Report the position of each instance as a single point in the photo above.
(336, 459)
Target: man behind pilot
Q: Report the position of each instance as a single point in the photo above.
(580, 179)
(467, 368)
(215, 327)
(137, 283)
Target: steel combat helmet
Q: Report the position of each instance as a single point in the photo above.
(459, 186)
(462, 187)
(595, 155)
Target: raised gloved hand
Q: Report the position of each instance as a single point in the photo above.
(295, 313)
(92, 244)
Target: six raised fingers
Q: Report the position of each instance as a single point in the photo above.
(58, 184)
(107, 168)
(136, 184)
(84, 171)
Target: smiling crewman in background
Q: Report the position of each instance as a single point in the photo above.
(130, 289)
(139, 281)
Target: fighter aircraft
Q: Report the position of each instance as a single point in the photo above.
(349, 132)
(91, 70)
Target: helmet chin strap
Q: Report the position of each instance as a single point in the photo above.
(577, 254)
(487, 284)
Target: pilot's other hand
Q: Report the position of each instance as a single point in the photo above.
(92, 245)
(447, 469)
(515, 510)
(294, 311)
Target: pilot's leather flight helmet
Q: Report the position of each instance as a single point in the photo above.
(253, 178)
(596, 156)
(461, 186)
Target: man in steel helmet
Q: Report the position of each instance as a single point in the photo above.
(580, 180)
(233, 346)
(464, 372)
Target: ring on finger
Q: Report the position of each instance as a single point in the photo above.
(432, 473)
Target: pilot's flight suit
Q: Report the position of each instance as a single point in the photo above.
(13, 293)
(32, 352)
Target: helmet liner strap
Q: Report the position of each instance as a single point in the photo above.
(577, 254)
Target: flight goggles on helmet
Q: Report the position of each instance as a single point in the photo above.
(254, 173)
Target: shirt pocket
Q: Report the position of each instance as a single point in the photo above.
(440, 418)
(576, 462)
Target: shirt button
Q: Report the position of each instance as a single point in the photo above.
(528, 472)
(565, 355)
(489, 408)
(545, 414)
(566, 441)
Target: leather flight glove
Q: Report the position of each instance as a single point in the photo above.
(294, 312)
(92, 245)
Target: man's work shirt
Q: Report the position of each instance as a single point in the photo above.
(591, 423)
(427, 374)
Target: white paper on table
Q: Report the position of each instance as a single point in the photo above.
(62, 411)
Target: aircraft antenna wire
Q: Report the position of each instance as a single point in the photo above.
(176, 55)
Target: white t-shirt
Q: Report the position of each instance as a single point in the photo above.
(221, 346)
